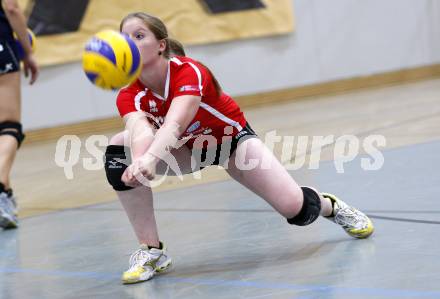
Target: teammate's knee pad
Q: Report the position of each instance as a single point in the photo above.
(115, 163)
(310, 209)
(14, 129)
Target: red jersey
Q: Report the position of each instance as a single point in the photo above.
(186, 77)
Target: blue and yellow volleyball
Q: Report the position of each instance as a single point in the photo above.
(111, 60)
(31, 37)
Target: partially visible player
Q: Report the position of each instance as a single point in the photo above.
(11, 134)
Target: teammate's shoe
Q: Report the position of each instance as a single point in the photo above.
(353, 221)
(8, 211)
(14, 202)
(145, 263)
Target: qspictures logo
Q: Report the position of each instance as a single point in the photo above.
(297, 152)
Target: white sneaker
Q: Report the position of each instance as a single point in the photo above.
(145, 263)
(14, 203)
(353, 221)
(8, 211)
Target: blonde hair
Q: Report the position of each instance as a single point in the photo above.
(173, 47)
(158, 28)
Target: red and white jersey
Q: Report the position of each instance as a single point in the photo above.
(186, 77)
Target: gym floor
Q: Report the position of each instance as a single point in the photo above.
(228, 243)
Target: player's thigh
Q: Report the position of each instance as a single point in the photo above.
(10, 104)
(178, 162)
(256, 167)
(120, 138)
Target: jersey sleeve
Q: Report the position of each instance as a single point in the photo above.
(126, 102)
(189, 80)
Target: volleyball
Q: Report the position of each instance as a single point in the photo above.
(111, 60)
(31, 37)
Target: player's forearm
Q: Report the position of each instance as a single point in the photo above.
(17, 20)
(181, 113)
(140, 144)
(165, 140)
(141, 135)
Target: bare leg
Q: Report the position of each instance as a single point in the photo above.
(138, 202)
(8, 148)
(138, 205)
(273, 183)
(10, 109)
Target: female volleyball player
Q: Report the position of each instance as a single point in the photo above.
(177, 100)
(11, 135)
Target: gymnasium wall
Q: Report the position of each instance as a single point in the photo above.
(332, 40)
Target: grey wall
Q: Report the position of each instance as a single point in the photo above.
(333, 40)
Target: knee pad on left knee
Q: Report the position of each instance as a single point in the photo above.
(310, 210)
(116, 161)
(14, 129)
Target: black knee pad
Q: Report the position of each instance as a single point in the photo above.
(13, 129)
(310, 209)
(115, 163)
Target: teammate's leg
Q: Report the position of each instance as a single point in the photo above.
(10, 138)
(10, 109)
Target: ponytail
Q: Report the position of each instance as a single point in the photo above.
(217, 86)
(176, 47)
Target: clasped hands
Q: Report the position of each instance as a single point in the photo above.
(142, 168)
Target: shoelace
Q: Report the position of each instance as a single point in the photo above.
(347, 216)
(140, 257)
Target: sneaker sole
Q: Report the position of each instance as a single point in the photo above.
(157, 270)
(7, 223)
(363, 234)
(136, 280)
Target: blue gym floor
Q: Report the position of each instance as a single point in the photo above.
(228, 243)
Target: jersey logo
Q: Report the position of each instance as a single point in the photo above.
(199, 132)
(153, 106)
(193, 127)
(189, 88)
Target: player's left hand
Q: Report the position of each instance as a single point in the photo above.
(30, 66)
